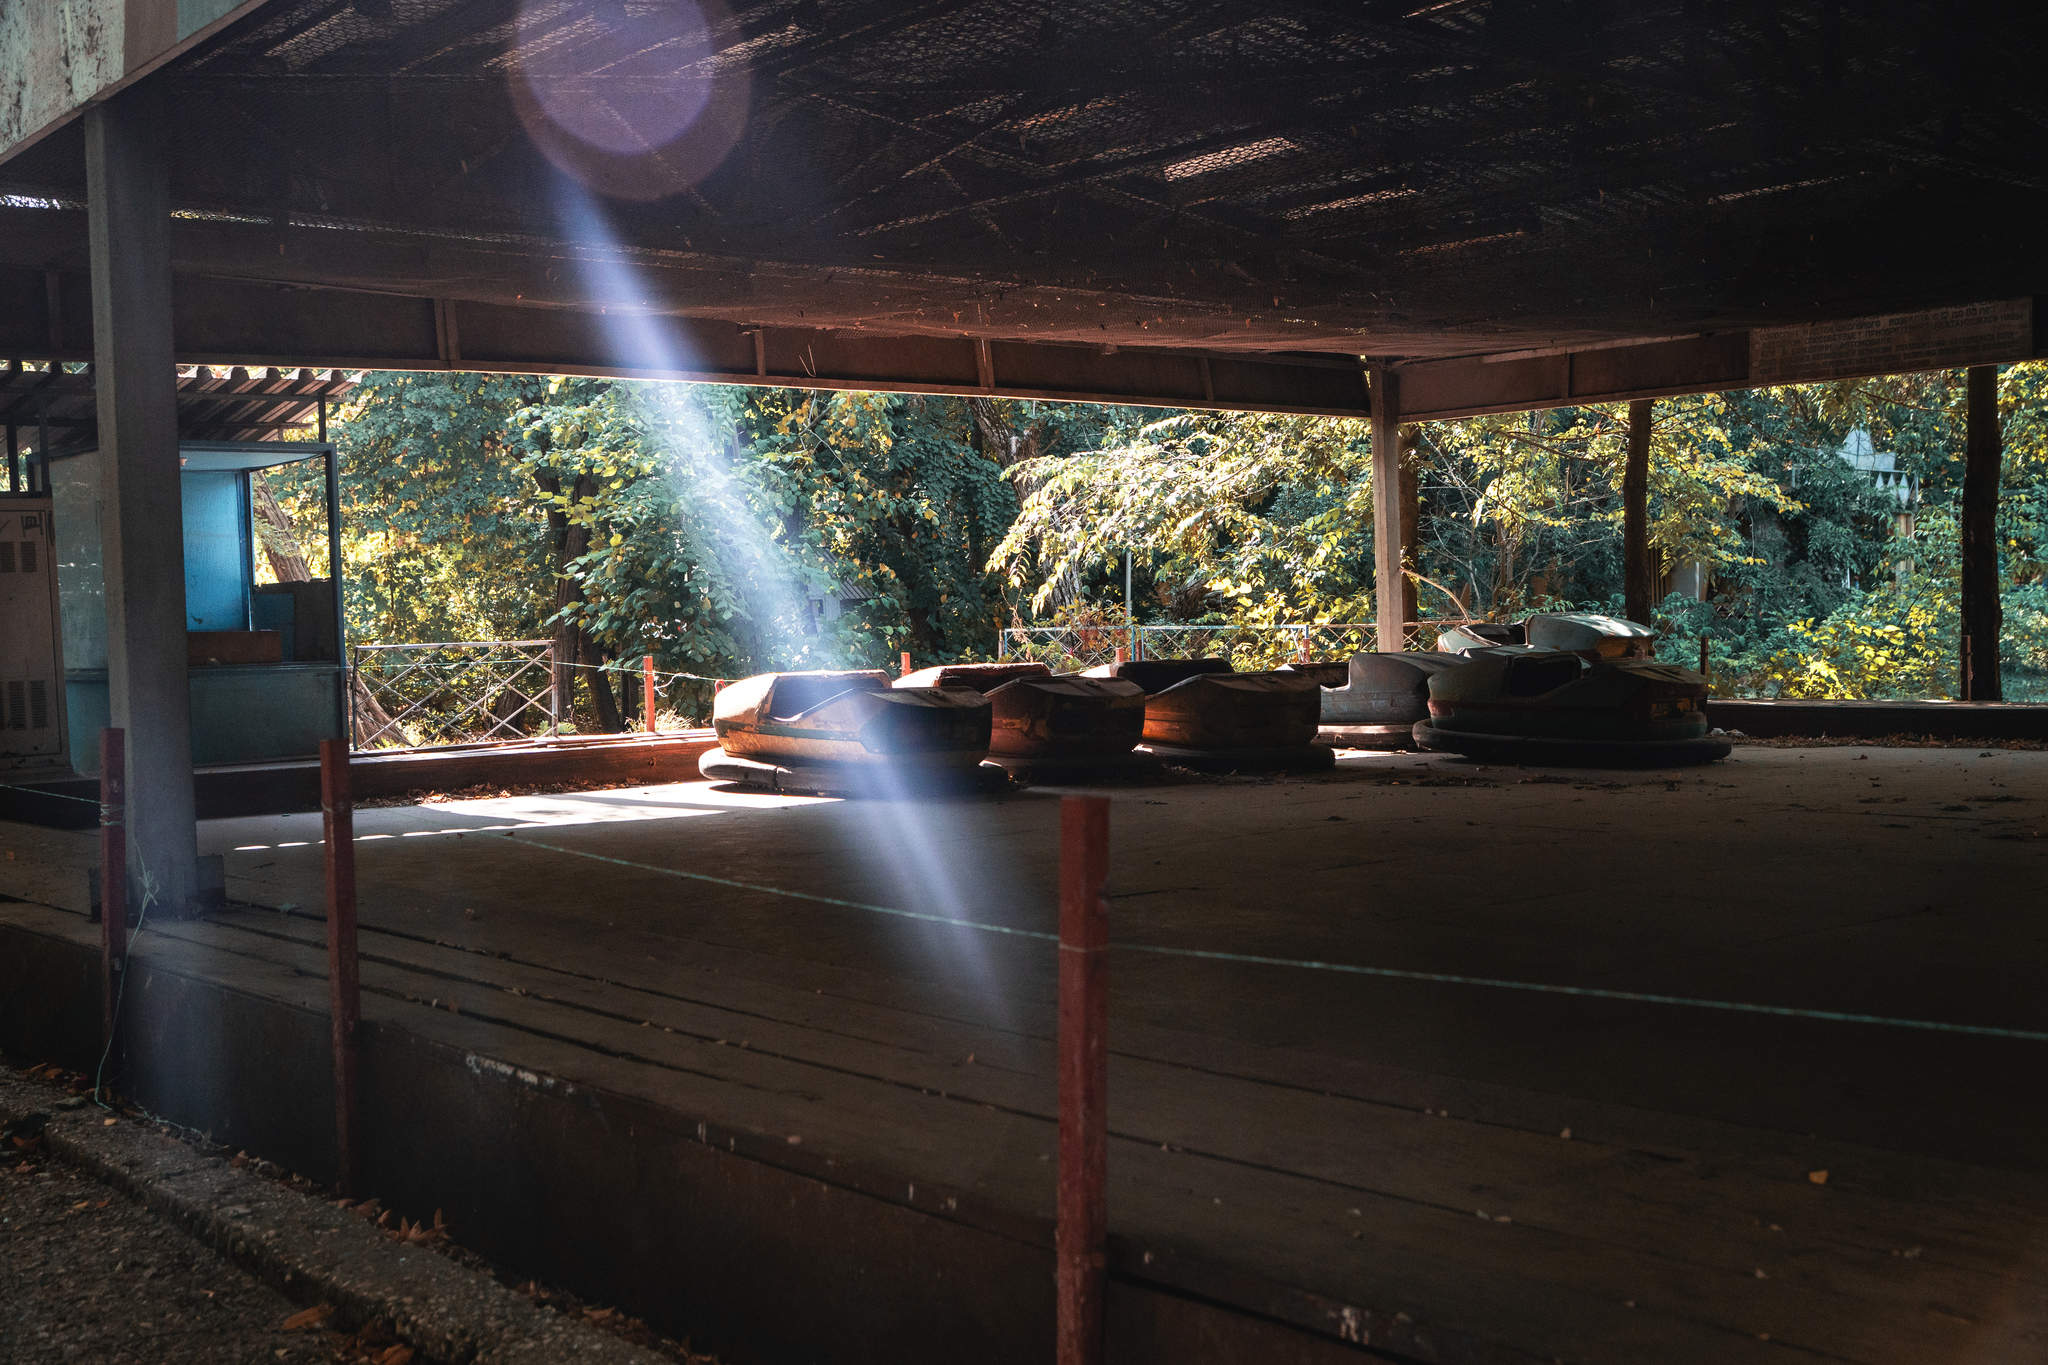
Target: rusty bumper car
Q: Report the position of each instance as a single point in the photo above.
(1198, 714)
(1047, 728)
(1529, 705)
(1372, 701)
(852, 733)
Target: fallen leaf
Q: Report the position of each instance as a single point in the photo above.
(397, 1355)
(309, 1317)
(108, 1123)
(1817, 1177)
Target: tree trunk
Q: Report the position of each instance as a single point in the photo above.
(1983, 612)
(280, 540)
(601, 699)
(1003, 444)
(375, 729)
(1635, 517)
(1411, 521)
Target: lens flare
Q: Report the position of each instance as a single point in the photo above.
(635, 102)
(914, 844)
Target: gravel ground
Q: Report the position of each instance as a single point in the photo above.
(86, 1275)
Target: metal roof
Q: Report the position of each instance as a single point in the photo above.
(225, 405)
(1400, 180)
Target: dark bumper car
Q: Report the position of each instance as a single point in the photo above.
(1376, 700)
(851, 733)
(1546, 706)
(1199, 714)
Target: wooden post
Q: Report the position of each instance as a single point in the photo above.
(1983, 613)
(344, 988)
(648, 696)
(113, 875)
(906, 664)
(1635, 517)
(1387, 549)
(1082, 1276)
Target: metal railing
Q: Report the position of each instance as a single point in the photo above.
(1070, 648)
(449, 692)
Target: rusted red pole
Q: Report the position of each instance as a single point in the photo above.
(649, 695)
(113, 874)
(1082, 1275)
(906, 664)
(344, 990)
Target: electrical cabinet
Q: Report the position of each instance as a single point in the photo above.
(32, 730)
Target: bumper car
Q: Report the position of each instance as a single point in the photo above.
(1596, 639)
(981, 677)
(1212, 719)
(1590, 635)
(1530, 705)
(1047, 727)
(849, 732)
(1378, 698)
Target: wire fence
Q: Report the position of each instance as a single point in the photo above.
(450, 692)
(471, 691)
(1069, 649)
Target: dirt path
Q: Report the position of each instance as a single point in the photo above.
(87, 1275)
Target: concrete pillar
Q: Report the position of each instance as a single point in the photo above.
(1983, 613)
(127, 165)
(1635, 517)
(1386, 510)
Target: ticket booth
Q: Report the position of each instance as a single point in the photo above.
(265, 660)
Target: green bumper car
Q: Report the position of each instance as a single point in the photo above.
(1526, 705)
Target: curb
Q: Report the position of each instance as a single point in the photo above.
(313, 1252)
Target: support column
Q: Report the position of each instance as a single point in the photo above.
(127, 168)
(1983, 613)
(1387, 549)
(1635, 517)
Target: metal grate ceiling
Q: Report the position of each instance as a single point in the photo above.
(1406, 178)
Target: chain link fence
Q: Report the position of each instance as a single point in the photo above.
(1069, 649)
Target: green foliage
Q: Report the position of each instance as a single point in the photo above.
(1255, 518)
(442, 538)
(720, 518)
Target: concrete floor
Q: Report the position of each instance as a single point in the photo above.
(1266, 1114)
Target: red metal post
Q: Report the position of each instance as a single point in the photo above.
(906, 664)
(113, 874)
(649, 695)
(345, 1003)
(1082, 1275)
(1119, 653)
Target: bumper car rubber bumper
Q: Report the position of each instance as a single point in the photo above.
(1571, 753)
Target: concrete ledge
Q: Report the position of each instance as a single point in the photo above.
(1876, 719)
(283, 788)
(316, 1253)
(754, 1248)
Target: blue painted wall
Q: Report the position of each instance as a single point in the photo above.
(217, 536)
